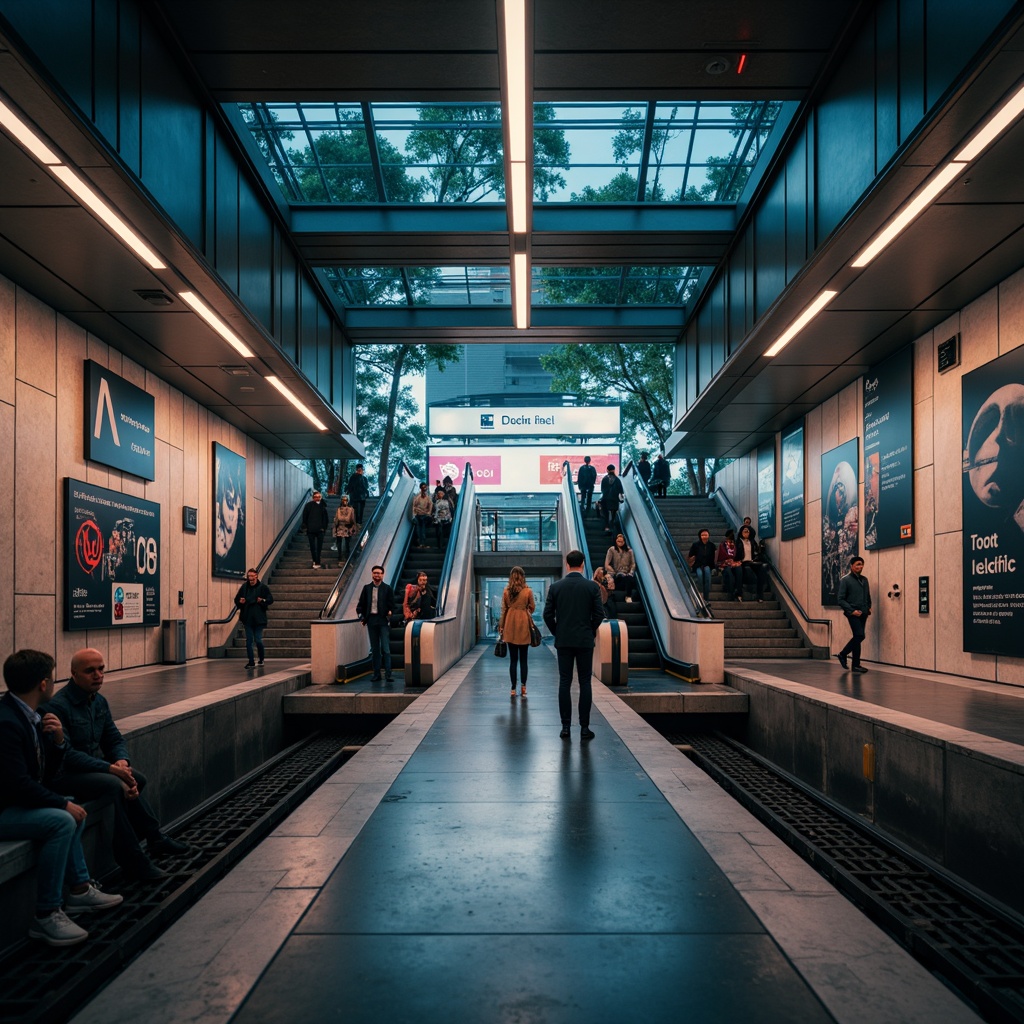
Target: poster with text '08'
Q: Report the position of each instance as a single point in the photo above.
(111, 558)
(993, 506)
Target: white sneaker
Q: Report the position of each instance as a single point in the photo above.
(92, 899)
(57, 929)
(629, 600)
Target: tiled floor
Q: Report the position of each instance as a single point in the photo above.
(989, 709)
(469, 865)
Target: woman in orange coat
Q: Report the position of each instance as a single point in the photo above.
(517, 607)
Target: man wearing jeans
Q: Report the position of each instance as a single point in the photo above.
(32, 747)
(375, 607)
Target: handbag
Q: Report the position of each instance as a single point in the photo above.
(500, 649)
(534, 634)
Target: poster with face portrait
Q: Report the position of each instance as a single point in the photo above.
(228, 513)
(993, 506)
(840, 517)
(766, 490)
(793, 481)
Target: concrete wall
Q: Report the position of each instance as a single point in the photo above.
(42, 415)
(897, 634)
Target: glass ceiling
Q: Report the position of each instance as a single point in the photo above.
(340, 153)
(491, 286)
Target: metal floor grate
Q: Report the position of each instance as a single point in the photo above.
(39, 983)
(974, 945)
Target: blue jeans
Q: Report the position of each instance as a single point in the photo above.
(582, 659)
(59, 860)
(422, 522)
(254, 634)
(703, 574)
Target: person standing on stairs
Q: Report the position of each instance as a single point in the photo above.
(751, 557)
(315, 520)
(586, 478)
(252, 601)
(660, 476)
(358, 492)
(344, 527)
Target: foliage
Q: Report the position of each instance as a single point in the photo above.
(386, 407)
(640, 377)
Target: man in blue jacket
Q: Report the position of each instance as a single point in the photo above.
(572, 611)
(100, 768)
(32, 747)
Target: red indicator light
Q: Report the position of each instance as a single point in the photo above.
(742, 64)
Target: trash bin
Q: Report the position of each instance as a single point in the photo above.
(174, 641)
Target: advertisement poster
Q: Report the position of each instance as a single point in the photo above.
(514, 469)
(228, 513)
(120, 420)
(889, 453)
(111, 558)
(839, 517)
(793, 524)
(993, 506)
(766, 490)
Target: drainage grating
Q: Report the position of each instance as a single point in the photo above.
(974, 945)
(40, 984)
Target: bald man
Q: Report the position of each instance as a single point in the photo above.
(100, 768)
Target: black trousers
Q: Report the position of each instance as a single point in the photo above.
(582, 659)
(858, 627)
(134, 820)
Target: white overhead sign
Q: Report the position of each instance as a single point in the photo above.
(515, 469)
(523, 421)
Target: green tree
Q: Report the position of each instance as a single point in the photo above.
(640, 377)
(386, 407)
(461, 151)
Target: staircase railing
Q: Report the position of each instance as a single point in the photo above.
(269, 559)
(734, 520)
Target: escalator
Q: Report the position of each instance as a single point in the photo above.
(429, 560)
(643, 648)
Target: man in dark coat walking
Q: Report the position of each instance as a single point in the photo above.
(573, 611)
(854, 596)
(315, 519)
(252, 601)
(358, 492)
(586, 478)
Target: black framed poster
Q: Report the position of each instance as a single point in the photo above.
(840, 516)
(993, 506)
(111, 558)
(228, 513)
(793, 522)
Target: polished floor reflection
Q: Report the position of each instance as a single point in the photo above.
(511, 875)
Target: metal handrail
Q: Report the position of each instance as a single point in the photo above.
(686, 574)
(444, 581)
(270, 554)
(734, 518)
(577, 518)
(356, 550)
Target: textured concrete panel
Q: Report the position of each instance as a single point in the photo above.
(909, 781)
(847, 735)
(36, 335)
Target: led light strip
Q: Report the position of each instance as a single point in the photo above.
(802, 321)
(217, 324)
(516, 111)
(305, 410)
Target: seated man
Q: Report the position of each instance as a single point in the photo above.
(32, 747)
(99, 767)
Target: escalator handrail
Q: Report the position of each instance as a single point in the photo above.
(272, 552)
(573, 509)
(734, 519)
(686, 574)
(356, 549)
(444, 582)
